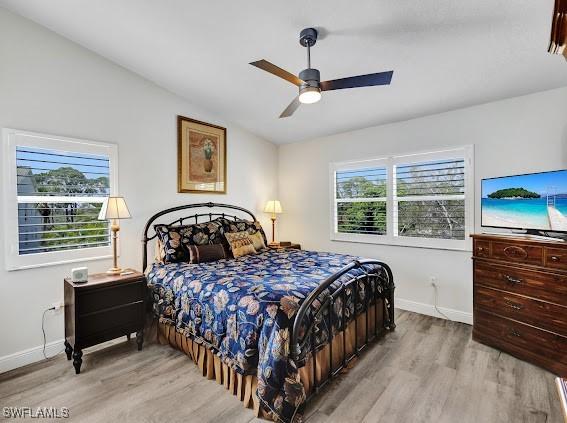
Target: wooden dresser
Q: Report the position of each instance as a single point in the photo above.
(520, 298)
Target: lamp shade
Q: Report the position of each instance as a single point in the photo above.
(273, 206)
(114, 208)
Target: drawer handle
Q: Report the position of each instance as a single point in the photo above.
(514, 306)
(515, 333)
(555, 258)
(515, 252)
(514, 281)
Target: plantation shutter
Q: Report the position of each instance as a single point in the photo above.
(429, 199)
(59, 196)
(360, 198)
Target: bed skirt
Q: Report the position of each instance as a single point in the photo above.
(244, 387)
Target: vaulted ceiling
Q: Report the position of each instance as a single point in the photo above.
(446, 54)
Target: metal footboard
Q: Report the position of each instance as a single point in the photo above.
(302, 339)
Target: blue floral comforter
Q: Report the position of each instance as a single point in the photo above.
(243, 309)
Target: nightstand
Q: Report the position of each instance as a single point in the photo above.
(290, 246)
(104, 308)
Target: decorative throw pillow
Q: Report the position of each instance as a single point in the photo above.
(170, 238)
(239, 225)
(206, 253)
(159, 252)
(240, 244)
(258, 241)
(176, 239)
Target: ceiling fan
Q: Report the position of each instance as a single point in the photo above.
(309, 80)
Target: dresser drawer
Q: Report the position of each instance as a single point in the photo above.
(524, 309)
(111, 296)
(513, 336)
(541, 285)
(556, 258)
(98, 322)
(516, 252)
(481, 248)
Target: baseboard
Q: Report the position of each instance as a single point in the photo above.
(429, 310)
(29, 356)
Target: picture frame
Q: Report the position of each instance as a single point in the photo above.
(201, 157)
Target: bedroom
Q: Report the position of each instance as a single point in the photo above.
(474, 80)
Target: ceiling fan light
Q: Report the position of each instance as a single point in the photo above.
(309, 95)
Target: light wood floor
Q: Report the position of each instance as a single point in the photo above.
(428, 370)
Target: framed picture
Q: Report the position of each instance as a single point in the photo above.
(201, 157)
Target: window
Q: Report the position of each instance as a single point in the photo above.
(422, 200)
(429, 199)
(361, 199)
(54, 189)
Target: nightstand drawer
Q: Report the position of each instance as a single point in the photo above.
(99, 322)
(109, 297)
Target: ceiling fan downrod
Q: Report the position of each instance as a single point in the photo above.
(308, 38)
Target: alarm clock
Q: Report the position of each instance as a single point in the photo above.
(80, 275)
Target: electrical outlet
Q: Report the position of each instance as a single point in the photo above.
(57, 306)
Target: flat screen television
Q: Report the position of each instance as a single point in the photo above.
(535, 202)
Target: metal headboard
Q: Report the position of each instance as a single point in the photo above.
(188, 219)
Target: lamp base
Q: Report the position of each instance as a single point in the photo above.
(114, 271)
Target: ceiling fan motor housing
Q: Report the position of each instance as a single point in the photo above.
(308, 37)
(311, 77)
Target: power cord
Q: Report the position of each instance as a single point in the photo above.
(44, 337)
(435, 303)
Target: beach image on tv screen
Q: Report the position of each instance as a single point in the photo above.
(535, 201)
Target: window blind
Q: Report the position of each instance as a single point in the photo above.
(430, 199)
(360, 198)
(59, 196)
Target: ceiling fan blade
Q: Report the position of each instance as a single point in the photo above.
(275, 70)
(289, 110)
(382, 78)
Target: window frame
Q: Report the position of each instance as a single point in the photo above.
(391, 237)
(13, 138)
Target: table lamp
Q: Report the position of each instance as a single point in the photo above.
(114, 208)
(274, 207)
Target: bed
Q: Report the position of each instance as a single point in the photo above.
(273, 327)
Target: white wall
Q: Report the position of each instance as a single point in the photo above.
(519, 135)
(51, 85)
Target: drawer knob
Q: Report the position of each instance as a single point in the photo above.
(512, 280)
(515, 333)
(514, 306)
(554, 258)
